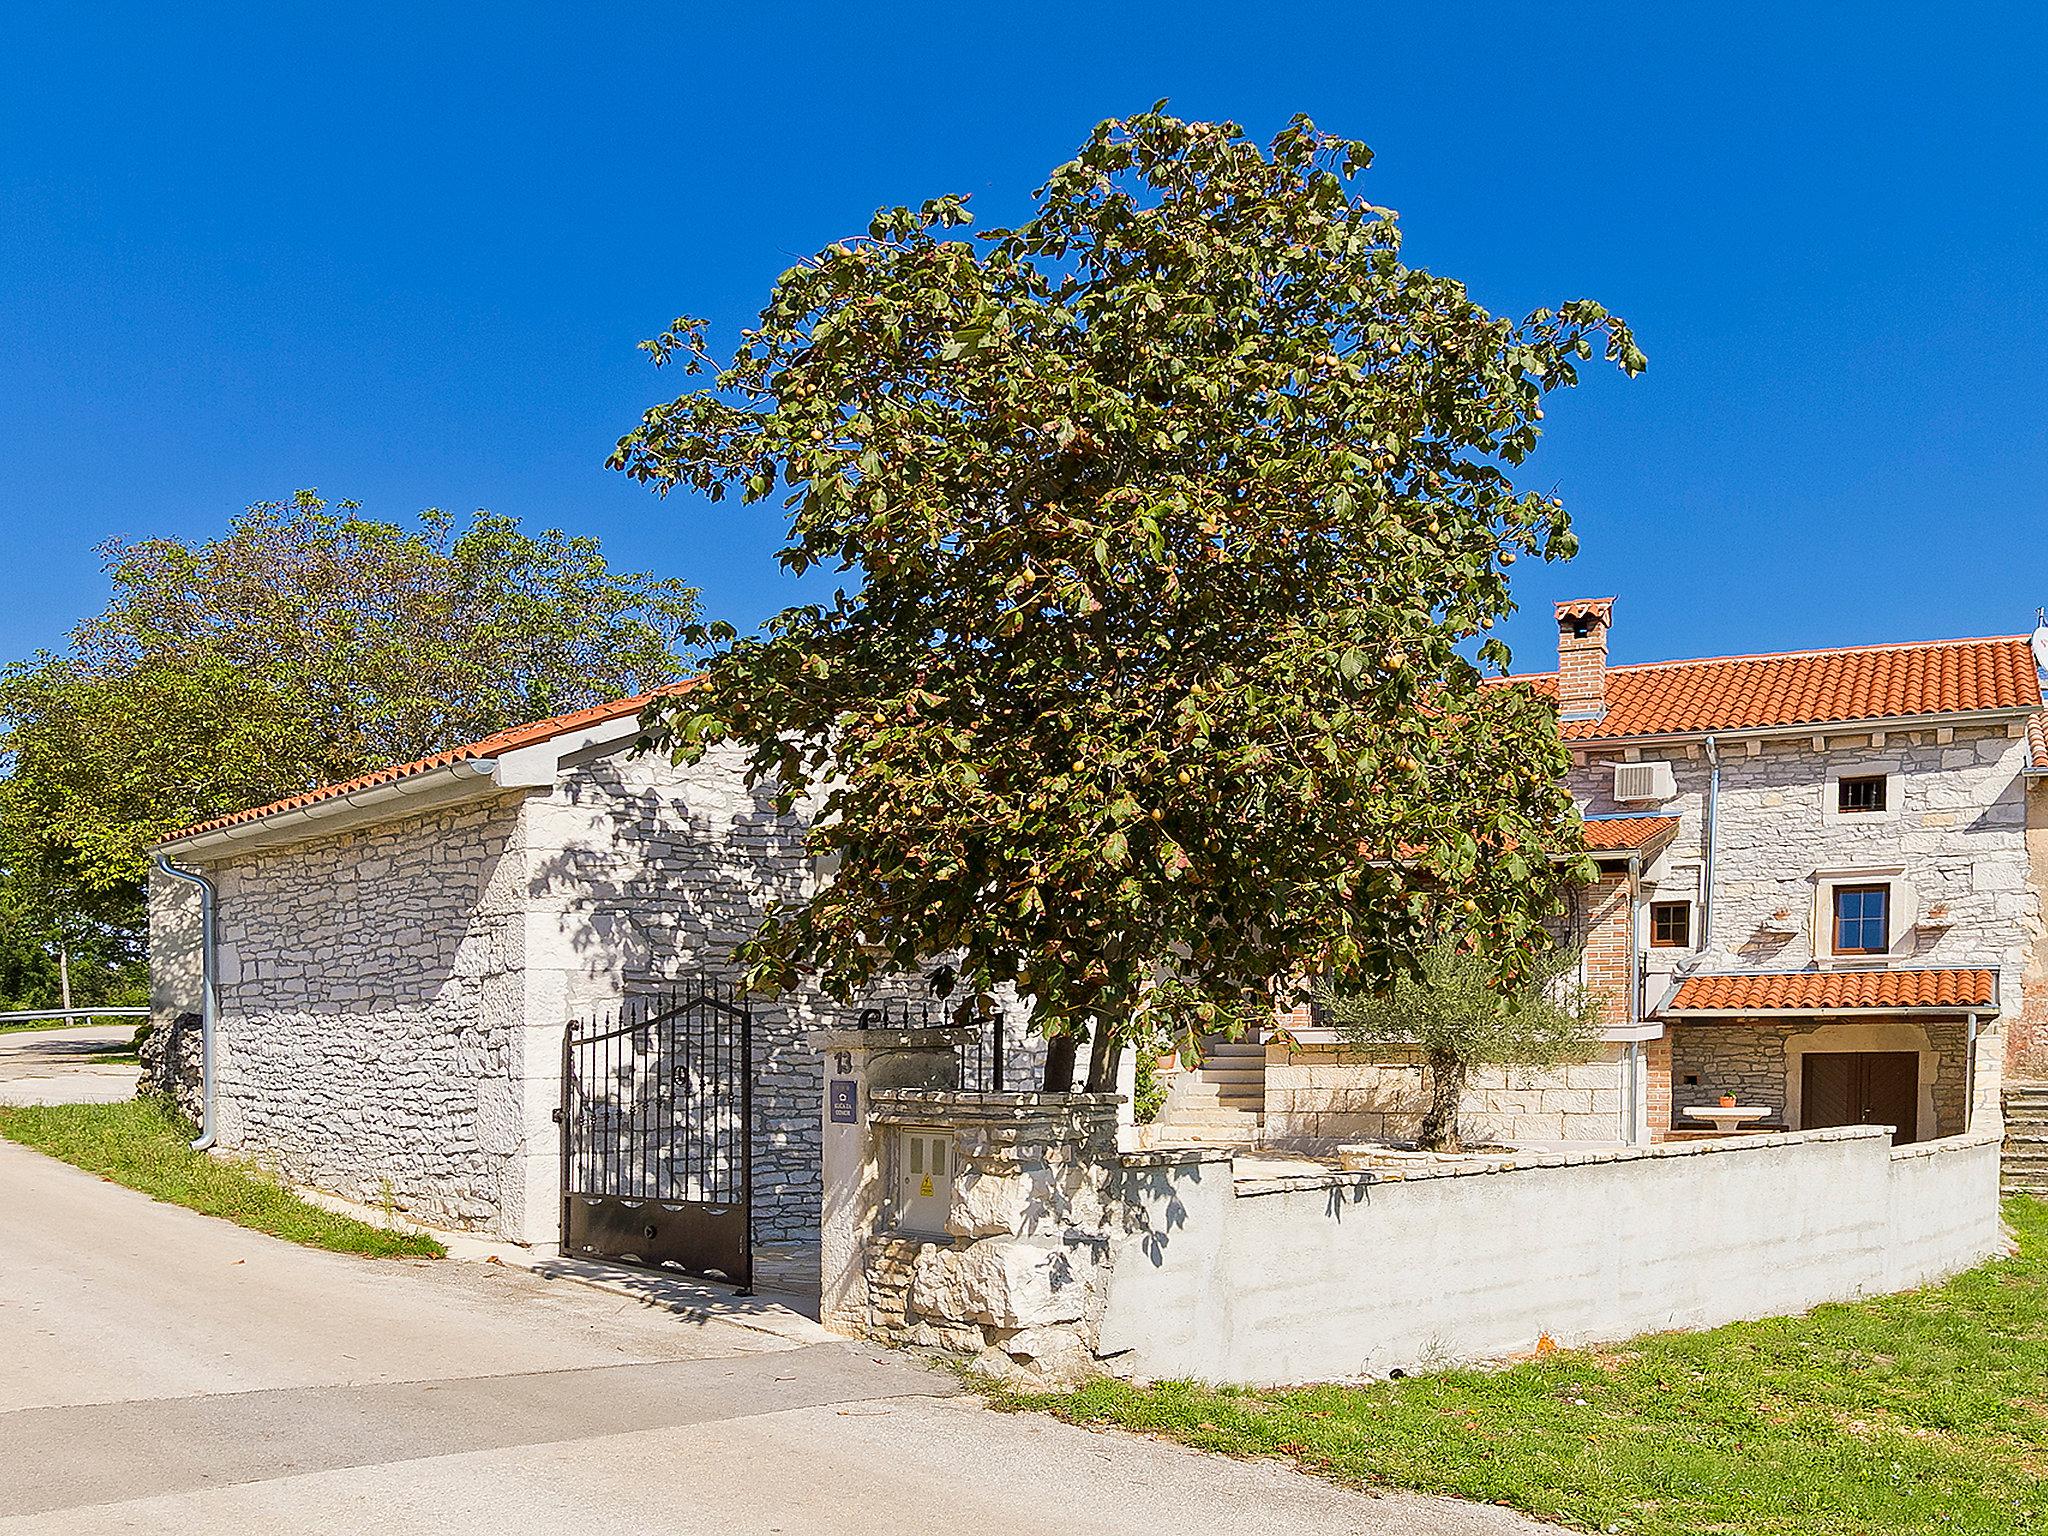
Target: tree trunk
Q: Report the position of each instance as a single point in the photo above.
(1105, 1055)
(1059, 1064)
(1439, 1131)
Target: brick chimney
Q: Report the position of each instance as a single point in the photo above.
(1582, 626)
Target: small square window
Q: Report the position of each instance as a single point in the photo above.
(1862, 919)
(1858, 795)
(1671, 925)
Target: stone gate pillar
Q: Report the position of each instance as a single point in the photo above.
(859, 1062)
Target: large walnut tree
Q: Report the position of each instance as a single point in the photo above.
(1170, 516)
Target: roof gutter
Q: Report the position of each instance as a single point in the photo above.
(1949, 1011)
(1792, 730)
(372, 797)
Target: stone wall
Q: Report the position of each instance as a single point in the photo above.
(2027, 1050)
(1328, 1091)
(1017, 1279)
(177, 994)
(1060, 1258)
(641, 872)
(1956, 826)
(369, 994)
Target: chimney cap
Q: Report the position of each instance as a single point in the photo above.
(1599, 609)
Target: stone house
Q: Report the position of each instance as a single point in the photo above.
(1820, 894)
(398, 958)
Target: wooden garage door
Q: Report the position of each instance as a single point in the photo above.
(1862, 1088)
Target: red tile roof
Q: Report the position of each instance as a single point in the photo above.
(1626, 834)
(1872, 682)
(2037, 744)
(490, 746)
(1835, 992)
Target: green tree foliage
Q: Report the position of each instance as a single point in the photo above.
(1460, 1011)
(308, 644)
(1174, 510)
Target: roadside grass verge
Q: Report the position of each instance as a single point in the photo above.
(142, 1143)
(1925, 1412)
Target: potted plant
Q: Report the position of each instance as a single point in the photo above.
(1727, 1101)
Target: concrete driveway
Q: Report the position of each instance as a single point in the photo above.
(53, 1066)
(164, 1372)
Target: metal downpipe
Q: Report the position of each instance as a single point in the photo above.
(209, 1006)
(1713, 840)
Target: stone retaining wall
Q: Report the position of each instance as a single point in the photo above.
(1061, 1258)
(1324, 1092)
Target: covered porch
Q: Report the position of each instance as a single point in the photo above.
(1818, 1048)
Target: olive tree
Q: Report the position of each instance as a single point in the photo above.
(1172, 518)
(1458, 1012)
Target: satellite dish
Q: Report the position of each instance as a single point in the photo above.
(2040, 640)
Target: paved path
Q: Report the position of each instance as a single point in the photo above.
(51, 1066)
(163, 1372)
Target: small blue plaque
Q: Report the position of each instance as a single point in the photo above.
(845, 1098)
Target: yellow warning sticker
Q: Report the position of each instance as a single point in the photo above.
(926, 1187)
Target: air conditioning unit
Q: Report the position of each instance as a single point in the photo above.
(1643, 781)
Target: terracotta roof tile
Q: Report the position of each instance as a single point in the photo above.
(1625, 834)
(2037, 743)
(490, 746)
(1835, 991)
(1876, 682)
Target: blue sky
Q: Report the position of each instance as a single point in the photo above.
(404, 256)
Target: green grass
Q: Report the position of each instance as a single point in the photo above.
(142, 1143)
(1926, 1412)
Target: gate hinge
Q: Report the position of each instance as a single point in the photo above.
(556, 1114)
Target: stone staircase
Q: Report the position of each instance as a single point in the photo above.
(2023, 1169)
(1220, 1102)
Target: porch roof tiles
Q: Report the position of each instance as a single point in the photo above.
(1800, 992)
(1628, 834)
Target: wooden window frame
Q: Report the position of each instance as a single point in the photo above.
(1684, 910)
(1849, 783)
(1835, 896)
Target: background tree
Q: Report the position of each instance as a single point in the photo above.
(1171, 510)
(1458, 1012)
(308, 644)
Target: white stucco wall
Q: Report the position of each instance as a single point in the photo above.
(1320, 1278)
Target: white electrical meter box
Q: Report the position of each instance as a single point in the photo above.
(924, 1179)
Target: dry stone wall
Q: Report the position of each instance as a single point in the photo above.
(369, 988)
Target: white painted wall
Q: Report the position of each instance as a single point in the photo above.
(1328, 1277)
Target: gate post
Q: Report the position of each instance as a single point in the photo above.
(858, 1062)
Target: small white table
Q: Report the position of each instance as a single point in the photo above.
(1728, 1117)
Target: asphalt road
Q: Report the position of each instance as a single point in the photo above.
(51, 1066)
(162, 1371)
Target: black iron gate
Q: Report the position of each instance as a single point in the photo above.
(657, 1115)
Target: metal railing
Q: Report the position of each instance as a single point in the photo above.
(982, 1065)
(36, 1015)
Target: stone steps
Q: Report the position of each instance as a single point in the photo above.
(1220, 1102)
(2023, 1161)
